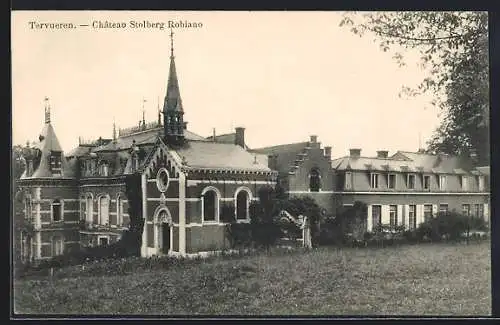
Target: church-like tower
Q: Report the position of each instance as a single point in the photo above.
(173, 113)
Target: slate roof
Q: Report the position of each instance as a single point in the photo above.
(219, 156)
(47, 143)
(403, 161)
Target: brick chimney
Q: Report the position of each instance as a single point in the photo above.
(355, 153)
(314, 139)
(382, 154)
(239, 139)
(328, 152)
(421, 150)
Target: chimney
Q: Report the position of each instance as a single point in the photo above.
(314, 138)
(240, 137)
(355, 153)
(328, 152)
(382, 154)
(421, 150)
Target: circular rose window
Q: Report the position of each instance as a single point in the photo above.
(162, 180)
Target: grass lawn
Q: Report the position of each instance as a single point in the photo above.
(427, 279)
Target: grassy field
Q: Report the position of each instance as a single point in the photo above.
(428, 279)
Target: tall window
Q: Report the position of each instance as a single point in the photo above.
(427, 182)
(466, 209)
(412, 217)
(314, 180)
(28, 207)
(393, 215)
(119, 211)
(376, 216)
(210, 206)
(427, 212)
(89, 207)
(391, 181)
(242, 202)
(443, 208)
(411, 181)
(57, 210)
(374, 180)
(442, 182)
(480, 211)
(104, 210)
(57, 246)
(104, 169)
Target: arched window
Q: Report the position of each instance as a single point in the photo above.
(314, 180)
(89, 205)
(210, 206)
(57, 246)
(119, 210)
(104, 210)
(57, 213)
(242, 205)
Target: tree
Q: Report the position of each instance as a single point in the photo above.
(453, 47)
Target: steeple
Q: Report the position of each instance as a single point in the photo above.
(172, 106)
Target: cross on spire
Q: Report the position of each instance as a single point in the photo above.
(171, 43)
(47, 109)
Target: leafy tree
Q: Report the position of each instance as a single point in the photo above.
(453, 46)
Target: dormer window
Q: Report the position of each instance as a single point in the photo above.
(374, 180)
(442, 182)
(464, 183)
(104, 169)
(427, 182)
(391, 181)
(480, 181)
(411, 181)
(55, 162)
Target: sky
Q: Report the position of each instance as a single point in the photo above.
(282, 75)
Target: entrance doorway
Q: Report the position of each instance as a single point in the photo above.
(165, 234)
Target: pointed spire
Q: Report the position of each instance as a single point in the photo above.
(47, 110)
(173, 100)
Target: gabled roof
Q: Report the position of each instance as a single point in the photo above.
(286, 154)
(219, 156)
(439, 163)
(374, 164)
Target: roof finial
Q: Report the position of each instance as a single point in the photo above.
(47, 110)
(114, 131)
(143, 114)
(171, 43)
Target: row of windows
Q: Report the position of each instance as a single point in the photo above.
(103, 203)
(211, 204)
(478, 211)
(411, 181)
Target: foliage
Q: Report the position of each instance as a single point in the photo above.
(449, 226)
(441, 279)
(134, 195)
(453, 47)
(347, 227)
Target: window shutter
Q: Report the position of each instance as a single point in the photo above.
(385, 215)
(400, 211)
(369, 225)
(420, 214)
(486, 212)
(434, 210)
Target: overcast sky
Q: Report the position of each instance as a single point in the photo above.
(281, 75)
